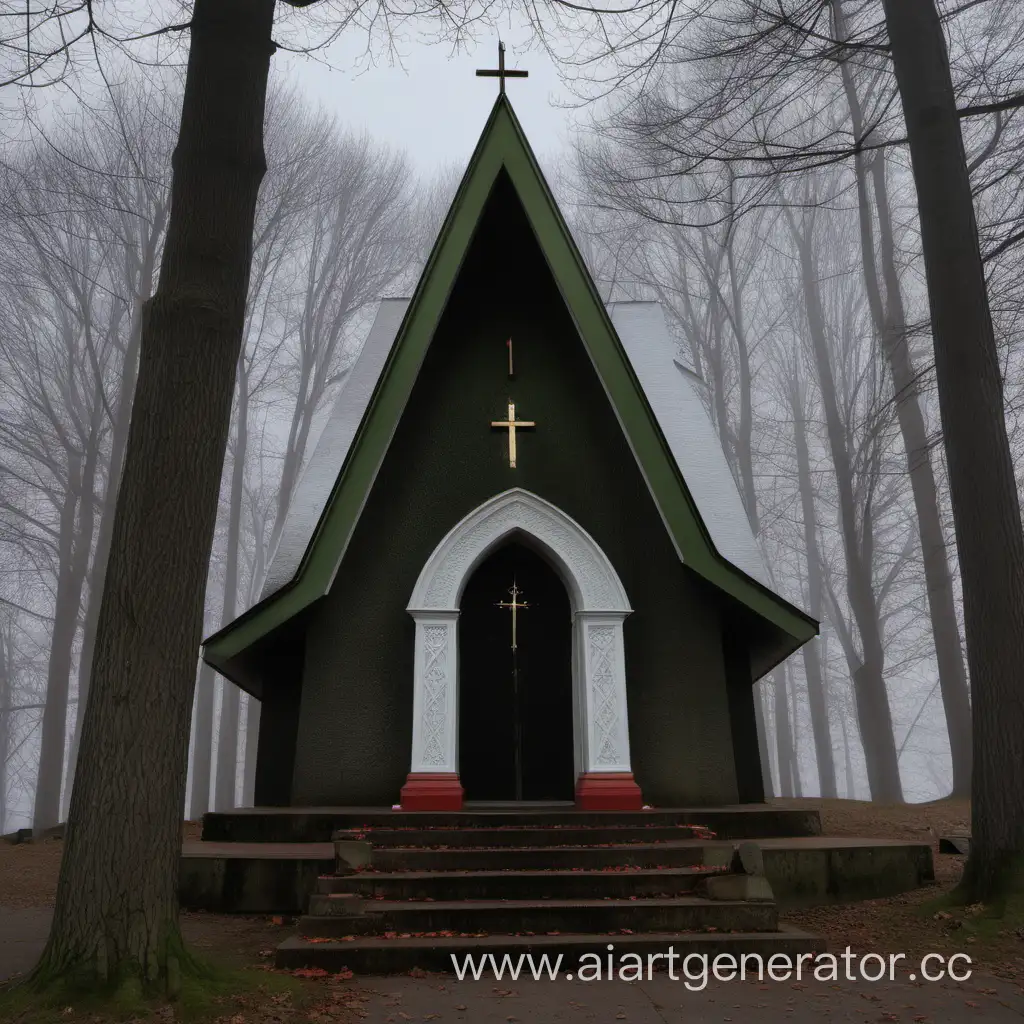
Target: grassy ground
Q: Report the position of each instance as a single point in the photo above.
(913, 924)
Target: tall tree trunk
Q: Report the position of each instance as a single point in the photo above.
(889, 317)
(872, 697)
(117, 903)
(119, 438)
(75, 543)
(227, 735)
(938, 579)
(298, 433)
(798, 789)
(6, 713)
(783, 734)
(986, 507)
(851, 784)
(811, 651)
(744, 438)
(46, 809)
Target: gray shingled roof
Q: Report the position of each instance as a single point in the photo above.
(672, 392)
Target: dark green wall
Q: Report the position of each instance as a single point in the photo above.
(280, 657)
(355, 724)
(746, 753)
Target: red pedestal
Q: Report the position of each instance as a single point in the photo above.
(432, 791)
(608, 791)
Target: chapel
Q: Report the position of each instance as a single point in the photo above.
(517, 568)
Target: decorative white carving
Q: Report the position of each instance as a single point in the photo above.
(604, 695)
(435, 694)
(601, 739)
(584, 566)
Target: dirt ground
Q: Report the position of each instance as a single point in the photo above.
(904, 923)
(28, 871)
(28, 876)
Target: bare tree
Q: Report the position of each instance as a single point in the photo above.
(295, 141)
(333, 232)
(816, 699)
(986, 505)
(357, 224)
(120, 172)
(885, 299)
(147, 637)
(788, 772)
(873, 710)
(61, 338)
(7, 704)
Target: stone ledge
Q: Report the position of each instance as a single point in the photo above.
(803, 872)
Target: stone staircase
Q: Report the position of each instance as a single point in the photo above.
(411, 891)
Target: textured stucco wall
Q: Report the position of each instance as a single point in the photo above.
(355, 725)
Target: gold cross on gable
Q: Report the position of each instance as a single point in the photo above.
(510, 424)
(513, 605)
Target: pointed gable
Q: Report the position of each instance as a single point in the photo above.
(668, 440)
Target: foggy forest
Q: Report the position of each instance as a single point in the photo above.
(772, 214)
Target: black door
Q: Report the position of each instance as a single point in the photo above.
(515, 706)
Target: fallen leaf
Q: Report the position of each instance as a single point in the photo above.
(309, 972)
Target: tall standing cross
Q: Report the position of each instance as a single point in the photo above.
(510, 425)
(513, 605)
(501, 74)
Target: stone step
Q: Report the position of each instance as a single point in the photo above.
(378, 955)
(317, 824)
(513, 885)
(510, 917)
(685, 853)
(521, 835)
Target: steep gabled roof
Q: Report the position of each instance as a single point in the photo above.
(672, 391)
(389, 377)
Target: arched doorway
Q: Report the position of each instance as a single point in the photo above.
(515, 703)
(604, 778)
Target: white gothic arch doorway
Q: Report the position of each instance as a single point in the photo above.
(599, 608)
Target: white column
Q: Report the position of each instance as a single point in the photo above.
(603, 691)
(435, 702)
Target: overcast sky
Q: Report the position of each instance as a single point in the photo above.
(434, 106)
